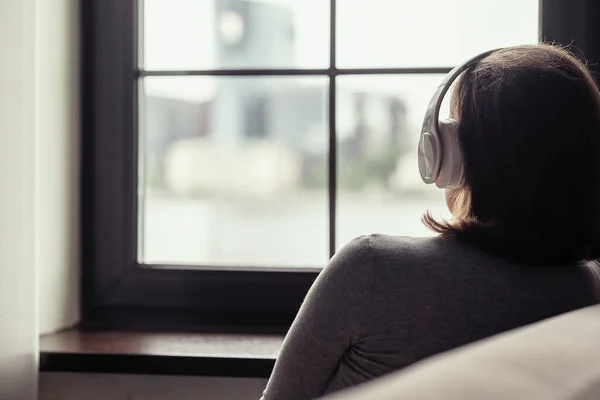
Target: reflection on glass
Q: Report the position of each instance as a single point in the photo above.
(211, 34)
(429, 33)
(229, 175)
(379, 187)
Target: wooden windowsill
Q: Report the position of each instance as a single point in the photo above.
(229, 355)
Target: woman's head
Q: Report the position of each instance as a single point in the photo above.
(529, 127)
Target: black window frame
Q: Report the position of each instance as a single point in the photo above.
(119, 293)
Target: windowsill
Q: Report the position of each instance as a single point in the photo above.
(198, 354)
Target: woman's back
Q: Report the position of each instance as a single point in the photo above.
(433, 294)
(385, 302)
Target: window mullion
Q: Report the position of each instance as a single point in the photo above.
(332, 164)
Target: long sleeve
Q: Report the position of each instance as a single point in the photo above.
(327, 325)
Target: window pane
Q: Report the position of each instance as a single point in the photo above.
(408, 33)
(209, 34)
(231, 171)
(379, 186)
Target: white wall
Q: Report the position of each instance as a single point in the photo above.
(62, 386)
(38, 176)
(18, 219)
(58, 159)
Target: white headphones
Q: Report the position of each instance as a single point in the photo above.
(440, 155)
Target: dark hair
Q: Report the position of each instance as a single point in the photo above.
(529, 128)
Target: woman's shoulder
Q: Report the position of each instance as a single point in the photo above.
(386, 251)
(381, 245)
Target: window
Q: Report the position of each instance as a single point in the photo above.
(231, 146)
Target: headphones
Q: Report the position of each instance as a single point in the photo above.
(440, 155)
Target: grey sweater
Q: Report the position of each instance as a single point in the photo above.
(386, 302)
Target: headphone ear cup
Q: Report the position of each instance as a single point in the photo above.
(430, 157)
(452, 168)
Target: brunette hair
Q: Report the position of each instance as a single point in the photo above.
(529, 128)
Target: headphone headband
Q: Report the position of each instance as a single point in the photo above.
(431, 143)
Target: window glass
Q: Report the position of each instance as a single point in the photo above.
(379, 186)
(211, 34)
(232, 171)
(429, 33)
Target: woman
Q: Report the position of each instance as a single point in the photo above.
(525, 216)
